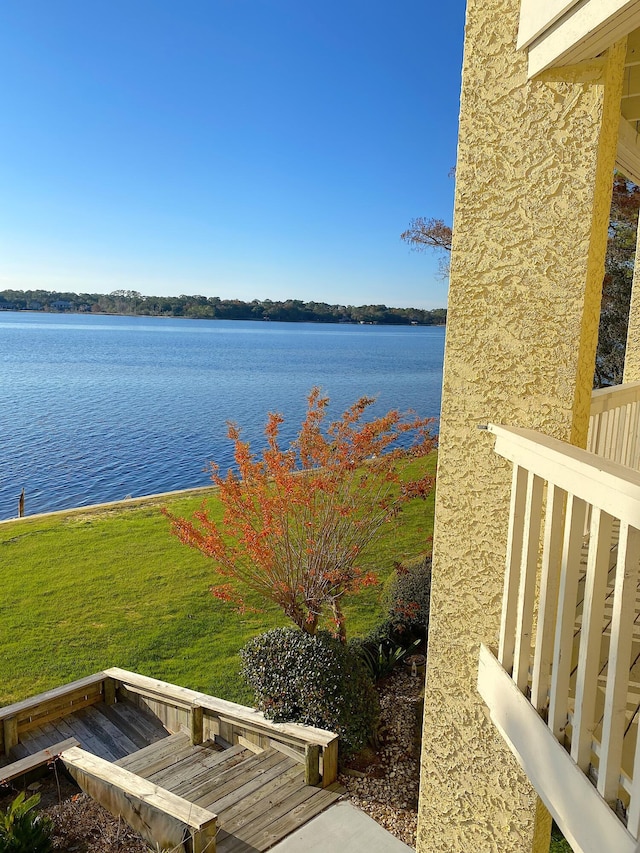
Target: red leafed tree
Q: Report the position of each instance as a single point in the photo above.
(296, 520)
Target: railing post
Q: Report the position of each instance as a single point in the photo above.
(622, 623)
(584, 722)
(548, 601)
(507, 640)
(330, 763)
(312, 764)
(527, 587)
(569, 575)
(109, 691)
(10, 732)
(196, 724)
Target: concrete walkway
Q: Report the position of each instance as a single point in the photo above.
(341, 827)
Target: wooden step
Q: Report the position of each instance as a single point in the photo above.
(272, 826)
(156, 753)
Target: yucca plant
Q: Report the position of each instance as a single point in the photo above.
(381, 659)
(22, 830)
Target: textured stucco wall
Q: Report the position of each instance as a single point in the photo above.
(533, 188)
(632, 355)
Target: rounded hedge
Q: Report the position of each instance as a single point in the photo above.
(313, 680)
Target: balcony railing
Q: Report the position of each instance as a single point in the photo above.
(561, 686)
(614, 426)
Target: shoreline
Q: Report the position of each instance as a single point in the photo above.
(123, 503)
(415, 324)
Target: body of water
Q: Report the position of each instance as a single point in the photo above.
(98, 408)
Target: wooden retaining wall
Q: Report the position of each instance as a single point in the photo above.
(163, 818)
(179, 709)
(21, 717)
(207, 717)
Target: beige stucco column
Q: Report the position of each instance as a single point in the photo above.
(632, 355)
(533, 190)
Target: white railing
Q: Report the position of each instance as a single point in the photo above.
(563, 593)
(614, 425)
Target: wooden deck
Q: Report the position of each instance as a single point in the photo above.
(258, 797)
(108, 731)
(186, 770)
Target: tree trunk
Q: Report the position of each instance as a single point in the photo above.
(339, 619)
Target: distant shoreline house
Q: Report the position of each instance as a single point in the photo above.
(61, 305)
(533, 685)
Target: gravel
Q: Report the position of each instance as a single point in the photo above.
(384, 784)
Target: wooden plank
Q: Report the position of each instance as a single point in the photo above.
(536, 16)
(109, 690)
(115, 723)
(114, 713)
(527, 585)
(548, 598)
(81, 729)
(147, 726)
(156, 755)
(232, 779)
(619, 659)
(506, 644)
(312, 764)
(586, 821)
(603, 399)
(584, 721)
(587, 32)
(291, 751)
(181, 770)
(142, 789)
(211, 765)
(268, 808)
(255, 789)
(37, 759)
(159, 815)
(330, 763)
(36, 739)
(196, 721)
(135, 682)
(57, 709)
(50, 696)
(633, 811)
(561, 667)
(64, 730)
(260, 832)
(10, 733)
(232, 712)
(283, 819)
(249, 744)
(117, 742)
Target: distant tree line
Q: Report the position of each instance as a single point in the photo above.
(214, 308)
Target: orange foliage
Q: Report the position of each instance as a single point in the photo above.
(296, 520)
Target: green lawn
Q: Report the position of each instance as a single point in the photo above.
(89, 589)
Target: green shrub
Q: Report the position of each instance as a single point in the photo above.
(24, 831)
(408, 599)
(313, 680)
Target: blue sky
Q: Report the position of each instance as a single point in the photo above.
(245, 149)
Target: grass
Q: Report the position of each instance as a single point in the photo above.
(93, 588)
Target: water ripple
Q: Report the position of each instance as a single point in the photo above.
(95, 409)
